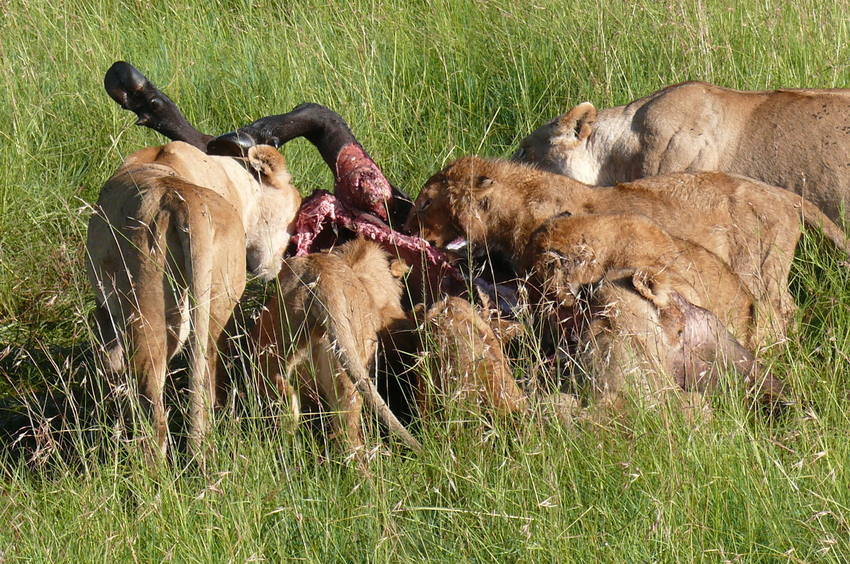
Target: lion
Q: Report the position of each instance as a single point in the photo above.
(658, 310)
(317, 339)
(568, 252)
(796, 139)
(751, 226)
(168, 245)
(456, 357)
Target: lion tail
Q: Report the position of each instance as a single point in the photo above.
(196, 234)
(348, 344)
(813, 217)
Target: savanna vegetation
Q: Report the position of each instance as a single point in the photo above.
(420, 83)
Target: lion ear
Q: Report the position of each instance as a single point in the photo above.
(651, 287)
(578, 122)
(483, 185)
(398, 268)
(266, 160)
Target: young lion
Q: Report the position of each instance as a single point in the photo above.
(749, 225)
(172, 233)
(465, 361)
(659, 307)
(566, 253)
(331, 308)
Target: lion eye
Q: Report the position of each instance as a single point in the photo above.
(425, 205)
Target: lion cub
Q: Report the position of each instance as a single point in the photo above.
(317, 340)
(459, 359)
(749, 225)
(644, 310)
(566, 253)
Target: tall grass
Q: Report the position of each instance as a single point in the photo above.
(420, 83)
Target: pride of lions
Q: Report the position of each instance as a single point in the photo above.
(642, 263)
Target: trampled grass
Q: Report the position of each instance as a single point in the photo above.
(420, 83)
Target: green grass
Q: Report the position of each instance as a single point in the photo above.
(420, 83)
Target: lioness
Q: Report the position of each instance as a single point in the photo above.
(797, 139)
(317, 340)
(167, 249)
(751, 226)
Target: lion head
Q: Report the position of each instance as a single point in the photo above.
(561, 145)
(455, 206)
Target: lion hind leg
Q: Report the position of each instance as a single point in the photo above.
(147, 334)
(149, 366)
(341, 397)
(113, 354)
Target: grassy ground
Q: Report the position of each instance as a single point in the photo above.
(420, 83)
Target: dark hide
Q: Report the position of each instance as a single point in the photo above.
(707, 353)
(133, 91)
(369, 190)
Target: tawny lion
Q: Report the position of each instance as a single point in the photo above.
(168, 244)
(641, 309)
(317, 341)
(568, 252)
(797, 139)
(751, 226)
(459, 359)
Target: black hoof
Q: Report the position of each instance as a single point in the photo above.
(234, 144)
(133, 91)
(122, 81)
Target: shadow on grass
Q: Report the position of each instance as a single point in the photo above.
(84, 415)
(36, 416)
